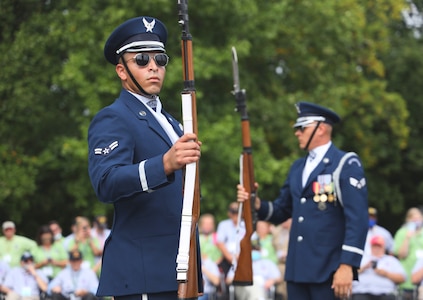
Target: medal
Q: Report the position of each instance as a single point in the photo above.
(323, 197)
(316, 189)
(322, 205)
(330, 197)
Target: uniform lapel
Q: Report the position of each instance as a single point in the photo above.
(298, 175)
(144, 114)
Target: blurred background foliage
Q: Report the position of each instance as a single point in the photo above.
(361, 58)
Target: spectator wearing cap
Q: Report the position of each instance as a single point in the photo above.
(229, 233)
(377, 230)
(137, 152)
(24, 282)
(74, 282)
(379, 274)
(12, 246)
(328, 210)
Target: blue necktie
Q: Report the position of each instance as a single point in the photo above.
(152, 104)
(311, 156)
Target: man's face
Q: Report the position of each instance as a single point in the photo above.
(207, 225)
(378, 249)
(9, 232)
(150, 77)
(26, 263)
(303, 134)
(55, 228)
(76, 264)
(233, 213)
(84, 229)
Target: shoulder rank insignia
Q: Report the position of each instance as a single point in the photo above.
(358, 183)
(107, 150)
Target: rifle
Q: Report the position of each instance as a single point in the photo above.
(188, 260)
(244, 273)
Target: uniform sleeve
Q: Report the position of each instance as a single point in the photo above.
(114, 173)
(280, 209)
(354, 197)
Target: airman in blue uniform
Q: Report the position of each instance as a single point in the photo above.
(328, 206)
(136, 154)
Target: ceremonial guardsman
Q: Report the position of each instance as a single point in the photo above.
(136, 154)
(326, 196)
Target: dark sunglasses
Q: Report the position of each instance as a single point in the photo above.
(142, 59)
(302, 128)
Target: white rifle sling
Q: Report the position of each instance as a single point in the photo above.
(239, 219)
(186, 220)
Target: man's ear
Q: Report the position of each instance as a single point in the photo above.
(121, 72)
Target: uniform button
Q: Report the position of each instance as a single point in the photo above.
(300, 238)
(303, 200)
(300, 219)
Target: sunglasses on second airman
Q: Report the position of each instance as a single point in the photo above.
(143, 59)
(302, 128)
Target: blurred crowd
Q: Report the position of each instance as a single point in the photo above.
(67, 267)
(391, 268)
(52, 265)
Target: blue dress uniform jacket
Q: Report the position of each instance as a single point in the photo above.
(126, 148)
(321, 238)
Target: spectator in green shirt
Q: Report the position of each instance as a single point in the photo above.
(84, 242)
(12, 246)
(264, 233)
(50, 256)
(208, 238)
(408, 247)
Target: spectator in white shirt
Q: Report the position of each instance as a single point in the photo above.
(379, 274)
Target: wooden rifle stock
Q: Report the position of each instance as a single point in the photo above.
(189, 288)
(244, 272)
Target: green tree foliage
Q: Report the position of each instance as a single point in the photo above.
(354, 56)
